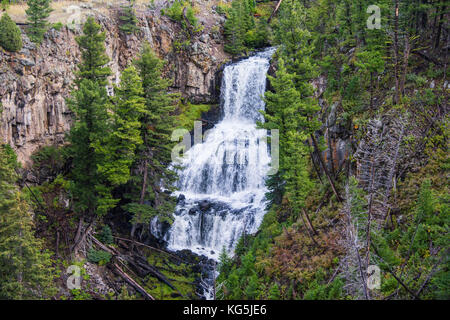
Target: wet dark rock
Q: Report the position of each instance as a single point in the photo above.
(181, 198)
(204, 205)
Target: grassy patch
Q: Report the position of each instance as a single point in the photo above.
(180, 275)
(190, 113)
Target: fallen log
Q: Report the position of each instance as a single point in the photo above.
(148, 269)
(133, 283)
(427, 57)
(150, 247)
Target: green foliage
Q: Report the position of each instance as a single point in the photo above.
(50, 159)
(241, 30)
(4, 4)
(411, 251)
(89, 103)
(94, 58)
(274, 292)
(26, 270)
(290, 111)
(146, 197)
(106, 235)
(182, 276)
(189, 113)
(99, 256)
(317, 291)
(37, 13)
(118, 148)
(124, 294)
(128, 18)
(178, 10)
(10, 34)
(225, 262)
(79, 294)
(234, 30)
(57, 26)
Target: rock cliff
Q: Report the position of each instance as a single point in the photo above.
(35, 82)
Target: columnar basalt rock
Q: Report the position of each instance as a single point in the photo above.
(35, 82)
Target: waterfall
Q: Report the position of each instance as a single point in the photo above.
(221, 186)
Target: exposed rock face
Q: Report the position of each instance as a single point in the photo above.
(35, 82)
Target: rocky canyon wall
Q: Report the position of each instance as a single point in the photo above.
(35, 82)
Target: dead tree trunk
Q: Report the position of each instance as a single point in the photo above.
(396, 59)
(142, 196)
(131, 282)
(275, 11)
(330, 180)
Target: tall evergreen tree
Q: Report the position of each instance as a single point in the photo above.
(151, 171)
(93, 53)
(128, 17)
(37, 13)
(235, 30)
(288, 112)
(118, 149)
(26, 270)
(89, 102)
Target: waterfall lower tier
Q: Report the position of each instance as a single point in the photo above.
(222, 181)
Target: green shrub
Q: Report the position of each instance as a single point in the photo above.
(190, 113)
(222, 9)
(79, 294)
(57, 26)
(106, 235)
(98, 256)
(175, 12)
(10, 34)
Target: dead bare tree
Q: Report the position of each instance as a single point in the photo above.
(352, 265)
(377, 157)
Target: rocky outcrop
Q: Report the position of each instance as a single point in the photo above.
(36, 81)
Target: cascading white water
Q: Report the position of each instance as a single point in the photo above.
(222, 183)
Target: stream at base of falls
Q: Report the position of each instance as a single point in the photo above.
(221, 186)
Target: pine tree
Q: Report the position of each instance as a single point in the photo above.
(151, 172)
(235, 30)
(87, 136)
(37, 13)
(91, 129)
(10, 34)
(26, 270)
(118, 149)
(251, 292)
(288, 112)
(225, 263)
(262, 34)
(128, 18)
(247, 15)
(93, 53)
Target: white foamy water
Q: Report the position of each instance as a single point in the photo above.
(222, 183)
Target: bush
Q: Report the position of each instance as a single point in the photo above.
(10, 34)
(175, 12)
(106, 235)
(98, 256)
(57, 26)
